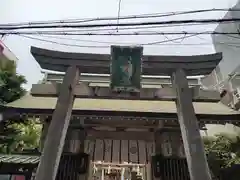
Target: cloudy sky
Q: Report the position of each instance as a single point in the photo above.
(15, 11)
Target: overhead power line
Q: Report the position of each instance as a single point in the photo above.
(140, 16)
(119, 10)
(121, 24)
(155, 43)
(65, 44)
(93, 41)
(93, 46)
(174, 39)
(128, 43)
(123, 34)
(90, 30)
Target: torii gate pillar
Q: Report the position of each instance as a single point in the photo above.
(193, 144)
(53, 146)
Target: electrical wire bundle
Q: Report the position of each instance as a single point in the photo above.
(98, 27)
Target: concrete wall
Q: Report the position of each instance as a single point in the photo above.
(229, 45)
(211, 81)
(213, 129)
(227, 75)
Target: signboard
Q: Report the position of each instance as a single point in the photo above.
(126, 68)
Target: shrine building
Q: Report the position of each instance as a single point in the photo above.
(116, 134)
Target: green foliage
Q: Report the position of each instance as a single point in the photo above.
(29, 135)
(222, 151)
(10, 82)
(15, 135)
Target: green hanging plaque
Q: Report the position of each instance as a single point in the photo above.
(126, 68)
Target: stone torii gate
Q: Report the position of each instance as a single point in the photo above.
(178, 67)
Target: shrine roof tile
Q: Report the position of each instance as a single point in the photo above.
(212, 108)
(19, 159)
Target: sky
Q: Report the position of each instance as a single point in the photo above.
(16, 11)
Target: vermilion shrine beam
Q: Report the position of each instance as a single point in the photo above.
(176, 66)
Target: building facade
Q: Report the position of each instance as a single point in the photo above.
(226, 77)
(6, 53)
